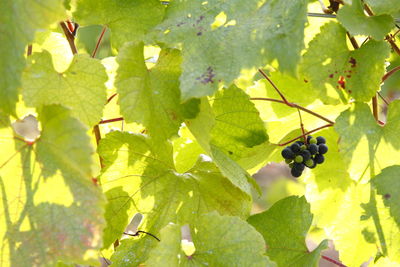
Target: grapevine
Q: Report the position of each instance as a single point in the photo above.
(212, 133)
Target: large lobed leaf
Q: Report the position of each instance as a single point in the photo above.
(50, 208)
(218, 240)
(80, 87)
(152, 97)
(220, 38)
(284, 227)
(17, 28)
(353, 18)
(139, 177)
(331, 65)
(128, 20)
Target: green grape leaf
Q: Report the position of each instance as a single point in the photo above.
(233, 134)
(186, 150)
(367, 147)
(139, 177)
(50, 208)
(152, 97)
(17, 26)
(381, 228)
(127, 20)
(387, 185)
(218, 240)
(80, 87)
(384, 6)
(284, 227)
(220, 38)
(353, 18)
(332, 66)
(237, 122)
(132, 252)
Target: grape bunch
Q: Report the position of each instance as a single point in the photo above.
(300, 155)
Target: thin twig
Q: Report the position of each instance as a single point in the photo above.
(70, 37)
(293, 105)
(111, 97)
(111, 120)
(333, 261)
(390, 73)
(375, 107)
(142, 232)
(353, 41)
(302, 127)
(99, 41)
(384, 99)
(275, 87)
(307, 133)
(29, 52)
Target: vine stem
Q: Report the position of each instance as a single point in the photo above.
(333, 261)
(111, 97)
(293, 105)
(302, 127)
(70, 37)
(388, 37)
(390, 73)
(275, 87)
(29, 51)
(99, 41)
(306, 133)
(111, 120)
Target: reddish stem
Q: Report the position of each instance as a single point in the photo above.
(293, 105)
(275, 87)
(29, 52)
(307, 133)
(384, 99)
(99, 41)
(302, 127)
(70, 37)
(111, 97)
(111, 120)
(333, 261)
(390, 73)
(375, 107)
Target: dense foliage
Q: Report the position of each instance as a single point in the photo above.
(165, 109)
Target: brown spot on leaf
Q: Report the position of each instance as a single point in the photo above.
(331, 76)
(342, 82)
(349, 91)
(207, 77)
(348, 76)
(199, 33)
(387, 196)
(353, 62)
(306, 81)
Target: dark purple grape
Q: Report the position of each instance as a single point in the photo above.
(308, 139)
(319, 159)
(295, 148)
(287, 153)
(313, 148)
(296, 173)
(322, 149)
(320, 140)
(298, 166)
(306, 155)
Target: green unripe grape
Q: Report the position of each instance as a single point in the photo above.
(288, 161)
(291, 165)
(303, 147)
(298, 159)
(313, 141)
(309, 163)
